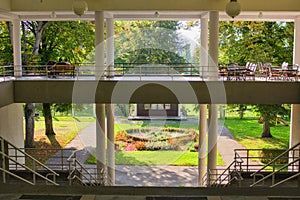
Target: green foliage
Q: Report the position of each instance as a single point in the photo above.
(148, 42)
(269, 112)
(268, 155)
(250, 41)
(6, 50)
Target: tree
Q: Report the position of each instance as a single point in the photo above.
(29, 125)
(154, 42)
(268, 113)
(240, 108)
(250, 41)
(48, 119)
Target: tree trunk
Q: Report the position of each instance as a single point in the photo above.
(266, 130)
(29, 125)
(241, 114)
(48, 119)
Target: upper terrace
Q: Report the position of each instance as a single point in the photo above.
(148, 84)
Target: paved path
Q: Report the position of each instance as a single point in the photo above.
(154, 175)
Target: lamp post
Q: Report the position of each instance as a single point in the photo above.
(233, 8)
(80, 7)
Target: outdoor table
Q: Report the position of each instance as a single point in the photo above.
(238, 72)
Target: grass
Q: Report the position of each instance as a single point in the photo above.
(66, 128)
(248, 132)
(140, 158)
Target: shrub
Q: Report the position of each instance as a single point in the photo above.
(162, 145)
(139, 145)
(269, 154)
(121, 136)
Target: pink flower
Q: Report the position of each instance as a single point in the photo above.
(130, 147)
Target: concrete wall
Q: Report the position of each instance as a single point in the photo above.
(11, 124)
(6, 93)
(184, 92)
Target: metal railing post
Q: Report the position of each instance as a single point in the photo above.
(33, 168)
(3, 160)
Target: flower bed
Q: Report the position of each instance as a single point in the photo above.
(152, 139)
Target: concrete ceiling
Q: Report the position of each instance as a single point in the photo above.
(55, 10)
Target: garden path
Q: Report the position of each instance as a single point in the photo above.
(155, 175)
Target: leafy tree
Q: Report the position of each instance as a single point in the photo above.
(63, 107)
(269, 113)
(6, 50)
(250, 41)
(154, 42)
(240, 108)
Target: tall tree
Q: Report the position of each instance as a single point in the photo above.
(269, 113)
(240, 108)
(37, 28)
(29, 125)
(250, 41)
(154, 42)
(48, 119)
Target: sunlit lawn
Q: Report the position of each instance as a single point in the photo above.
(248, 132)
(139, 158)
(66, 128)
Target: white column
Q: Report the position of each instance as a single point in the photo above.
(202, 150)
(213, 108)
(100, 143)
(295, 112)
(110, 47)
(99, 45)
(17, 48)
(296, 57)
(100, 108)
(213, 45)
(110, 144)
(204, 48)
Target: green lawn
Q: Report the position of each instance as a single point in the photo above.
(248, 132)
(177, 158)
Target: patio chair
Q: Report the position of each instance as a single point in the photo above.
(275, 74)
(291, 73)
(252, 71)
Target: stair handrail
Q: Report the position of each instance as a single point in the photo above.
(276, 158)
(273, 173)
(236, 162)
(26, 167)
(31, 157)
(72, 159)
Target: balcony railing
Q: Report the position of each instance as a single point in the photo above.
(142, 70)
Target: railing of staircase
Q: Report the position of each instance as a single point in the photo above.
(85, 176)
(6, 159)
(230, 174)
(292, 165)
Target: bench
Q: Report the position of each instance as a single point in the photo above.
(61, 69)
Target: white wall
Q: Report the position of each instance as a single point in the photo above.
(11, 124)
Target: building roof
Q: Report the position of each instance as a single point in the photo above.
(272, 10)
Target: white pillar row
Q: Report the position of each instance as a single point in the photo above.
(213, 59)
(295, 113)
(100, 143)
(202, 150)
(110, 47)
(204, 48)
(17, 48)
(213, 108)
(110, 144)
(99, 45)
(100, 108)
